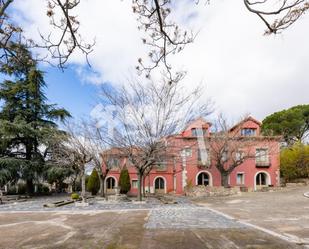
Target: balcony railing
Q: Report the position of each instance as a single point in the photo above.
(201, 164)
(262, 164)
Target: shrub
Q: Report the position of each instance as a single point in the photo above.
(77, 185)
(124, 181)
(189, 184)
(75, 196)
(12, 190)
(93, 184)
(22, 188)
(43, 189)
(294, 162)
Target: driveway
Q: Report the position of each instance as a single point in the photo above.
(149, 226)
(284, 213)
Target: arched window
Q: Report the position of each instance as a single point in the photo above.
(261, 179)
(110, 183)
(203, 179)
(159, 183)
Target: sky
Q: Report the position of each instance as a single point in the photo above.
(242, 70)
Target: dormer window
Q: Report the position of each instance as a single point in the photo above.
(194, 132)
(113, 163)
(197, 132)
(248, 132)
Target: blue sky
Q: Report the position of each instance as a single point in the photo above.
(68, 91)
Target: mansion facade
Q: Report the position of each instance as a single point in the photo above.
(189, 169)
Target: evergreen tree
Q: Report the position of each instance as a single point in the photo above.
(124, 181)
(93, 183)
(292, 124)
(27, 122)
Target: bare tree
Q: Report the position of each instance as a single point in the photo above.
(226, 149)
(60, 47)
(77, 145)
(163, 34)
(165, 37)
(144, 115)
(96, 147)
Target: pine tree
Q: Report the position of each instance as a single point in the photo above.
(124, 181)
(93, 184)
(26, 120)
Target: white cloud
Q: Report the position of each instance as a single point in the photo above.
(243, 70)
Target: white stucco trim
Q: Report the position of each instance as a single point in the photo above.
(208, 173)
(268, 180)
(154, 181)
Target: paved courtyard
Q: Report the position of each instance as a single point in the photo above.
(285, 212)
(152, 225)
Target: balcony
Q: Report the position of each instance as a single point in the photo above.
(263, 164)
(201, 164)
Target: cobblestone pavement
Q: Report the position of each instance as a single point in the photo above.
(189, 217)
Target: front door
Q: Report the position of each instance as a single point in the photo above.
(110, 185)
(159, 186)
(261, 180)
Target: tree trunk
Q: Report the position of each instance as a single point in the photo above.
(143, 186)
(225, 179)
(29, 182)
(29, 186)
(83, 186)
(105, 188)
(101, 190)
(36, 182)
(139, 192)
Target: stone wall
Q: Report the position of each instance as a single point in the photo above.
(298, 182)
(207, 191)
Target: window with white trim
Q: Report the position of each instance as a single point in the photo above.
(187, 152)
(203, 156)
(248, 132)
(113, 163)
(261, 155)
(134, 184)
(240, 178)
(198, 132)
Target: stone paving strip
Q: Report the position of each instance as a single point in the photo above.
(192, 217)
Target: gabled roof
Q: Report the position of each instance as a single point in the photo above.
(196, 120)
(249, 118)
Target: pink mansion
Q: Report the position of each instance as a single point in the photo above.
(253, 173)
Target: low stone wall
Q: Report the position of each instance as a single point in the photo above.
(207, 191)
(296, 182)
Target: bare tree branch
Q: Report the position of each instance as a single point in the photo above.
(283, 16)
(165, 37)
